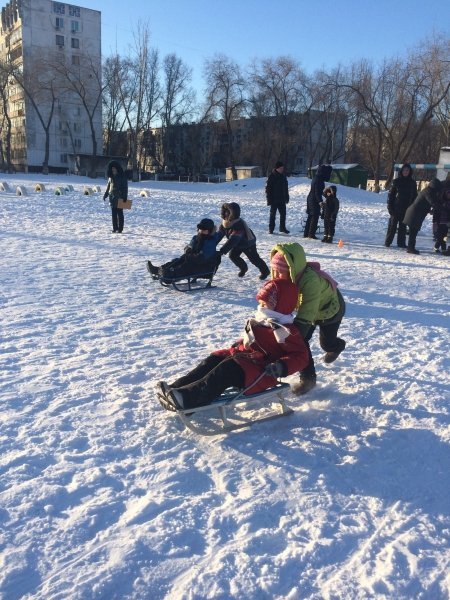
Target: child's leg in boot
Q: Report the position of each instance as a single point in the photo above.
(226, 374)
(198, 372)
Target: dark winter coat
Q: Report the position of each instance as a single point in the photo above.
(238, 233)
(317, 186)
(264, 350)
(422, 205)
(330, 206)
(277, 191)
(441, 209)
(402, 194)
(117, 188)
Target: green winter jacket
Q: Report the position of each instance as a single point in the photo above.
(317, 299)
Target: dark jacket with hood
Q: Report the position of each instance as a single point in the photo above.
(422, 205)
(117, 188)
(402, 194)
(330, 206)
(238, 233)
(317, 186)
(277, 190)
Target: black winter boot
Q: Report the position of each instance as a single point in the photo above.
(305, 385)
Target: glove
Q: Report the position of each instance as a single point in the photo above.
(275, 369)
(105, 195)
(188, 250)
(221, 252)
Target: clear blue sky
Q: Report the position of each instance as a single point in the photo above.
(318, 34)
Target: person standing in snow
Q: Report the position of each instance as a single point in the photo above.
(441, 219)
(415, 214)
(314, 200)
(330, 209)
(321, 304)
(277, 196)
(240, 240)
(116, 189)
(401, 195)
(270, 348)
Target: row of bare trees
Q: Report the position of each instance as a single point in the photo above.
(377, 114)
(394, 111)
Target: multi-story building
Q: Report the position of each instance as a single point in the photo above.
(50, 66)
(301, 140)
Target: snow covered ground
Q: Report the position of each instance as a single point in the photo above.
(105, 495)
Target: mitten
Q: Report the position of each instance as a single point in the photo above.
(275, 369)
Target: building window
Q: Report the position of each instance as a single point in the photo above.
(75, 43)
(60, 40)
(75, 60)
(63, 158)
(59, 22)
(77, 127)
(77, 143)
(74, 11)
(74, 26)
(59, 8)
(63, 142)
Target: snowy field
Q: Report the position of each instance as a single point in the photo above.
(104, 495)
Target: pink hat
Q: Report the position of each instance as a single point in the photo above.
(279, 295)
(278, 262)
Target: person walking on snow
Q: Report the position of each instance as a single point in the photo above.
(415, 214)
(116, 189)
(401, 195)
(320, 305)
(270, 348)
(240, 240)
(277, 196)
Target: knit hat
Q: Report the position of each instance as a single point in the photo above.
(279, 295)
(278, 164)
(278, 263)
(206, 224)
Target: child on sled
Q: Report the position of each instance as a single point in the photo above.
(271, 347)
(199, 253)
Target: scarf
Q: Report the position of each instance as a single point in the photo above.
(268, 318)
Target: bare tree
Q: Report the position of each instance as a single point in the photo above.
(84, 81)
(38, 85)
(6, 124)
(177, 101)
(225, 97)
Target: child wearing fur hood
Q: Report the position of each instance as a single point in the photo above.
(240, 240)
(271, 347)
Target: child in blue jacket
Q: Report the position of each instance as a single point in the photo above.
(199, 253)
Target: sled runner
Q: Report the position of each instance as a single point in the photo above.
(213, 419)
(183, 281)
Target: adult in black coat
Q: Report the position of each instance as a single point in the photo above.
(117, 189)
(314, 199)
(419, 209)
(277, 195)
(401, 195)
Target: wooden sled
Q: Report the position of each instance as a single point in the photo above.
(213, 419)
(189, 283)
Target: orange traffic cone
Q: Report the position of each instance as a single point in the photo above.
(340, 244)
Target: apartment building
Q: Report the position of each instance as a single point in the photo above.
(50, 84)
